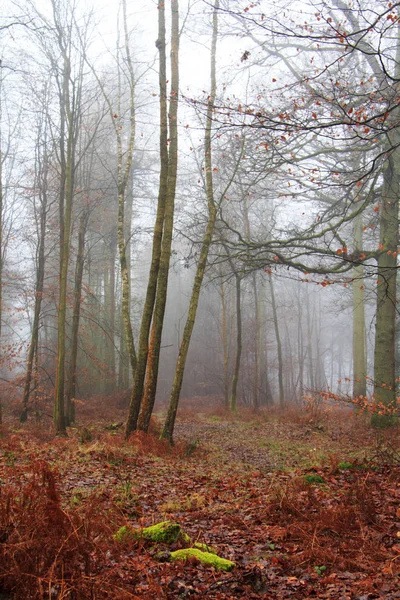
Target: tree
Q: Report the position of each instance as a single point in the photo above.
(124, 166)
(41, 203)
(168, 428)
(332, 104)
(143, 398)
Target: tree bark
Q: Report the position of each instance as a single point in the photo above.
(359, 349)
(225, 351)
(163, 272)
(384, 352)
(33, 346)
(68, 133)
(169, 424)
(278, 344)
(80, 261)
(143, 351)
(236, 370)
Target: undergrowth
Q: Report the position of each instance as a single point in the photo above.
(49, 552)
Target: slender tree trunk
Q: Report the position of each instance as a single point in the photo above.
(125, 278)
(168, 428)
(33, 346)
(140, 373)
(109, 312)
(163, 272)
(257, 345)
(385, 328)
(359, 349)
(224, 327)
(169, 424)
(1, 242)
(236, 370)
(278, 344)
(124, 166)
(80, 260)
(311, 378)
(300, 343)
(123, 363)
(65, 212)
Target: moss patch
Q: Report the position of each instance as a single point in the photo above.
(204, 547)
(314, 479)
(220, 564)
(125, 534)
(165, 532)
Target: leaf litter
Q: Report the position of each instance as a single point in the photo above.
(300, 509)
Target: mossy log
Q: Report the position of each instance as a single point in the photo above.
(220, 564)
(165, 532)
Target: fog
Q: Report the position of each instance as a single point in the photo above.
(293, 172)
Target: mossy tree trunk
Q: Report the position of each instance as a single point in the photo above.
(169, 424)
(359, 348)
(143, 349)
(385, 328)
(153, 357)
(384, 352)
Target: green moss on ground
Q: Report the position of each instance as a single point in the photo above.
(314, 479)
(125, 534)
(204, 547)
(220, 564)
(165, 532)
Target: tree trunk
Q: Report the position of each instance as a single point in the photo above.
(33, 346)
(359, 349)
(257, 345)
(224, 327)
(140, 373)
(1, 240)
(80, 260)
(236, 370)
(163, 272)
(65, 213)
(384, 354)
(278, 344)
(169, 424)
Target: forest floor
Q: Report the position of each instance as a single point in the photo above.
(306, 503)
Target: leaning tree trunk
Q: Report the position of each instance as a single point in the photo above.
(162, 281)
(169, 424)
(143, 350)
